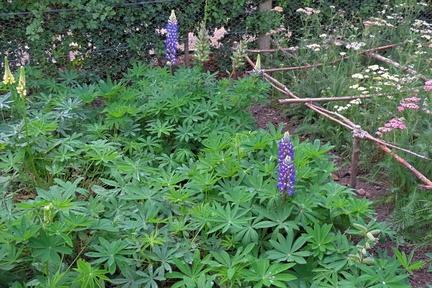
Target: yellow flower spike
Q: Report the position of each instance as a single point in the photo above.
(8, 78)
(21, 88)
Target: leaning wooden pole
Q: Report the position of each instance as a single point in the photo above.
(397, 65)
(419, 175)
(350, 125)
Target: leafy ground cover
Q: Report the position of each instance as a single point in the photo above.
(161, 180)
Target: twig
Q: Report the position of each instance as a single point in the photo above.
(272, 50)
(397, 65)
(381, 48)
(316, 65)
(343, 98)
(367, 136)
(406, 164)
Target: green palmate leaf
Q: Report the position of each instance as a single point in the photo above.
(48, 247)
(229, 267)
(113, 254)
(160, 128)
(102, 155)
(86, 92)
(189, 274)
(39, 128)
(216, 142)
(257, 140)
(10, 256)
(263, 274)
(277, 218)
(136, 169)
(321, 240)
(230, 218)
(406, 261)
(104, 225)
(23, 230)
(10, 161)
(90, 276)
(4, 102)
(305, 204)
(191, 115)
(109, 88)
(288, 250)
(116, 110)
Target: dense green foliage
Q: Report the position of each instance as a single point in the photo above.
(158, 181)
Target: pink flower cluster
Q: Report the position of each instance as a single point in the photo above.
(409, 103)
(428, 86)
(395, 123)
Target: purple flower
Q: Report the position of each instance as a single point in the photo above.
(171, 40)
(286, 170)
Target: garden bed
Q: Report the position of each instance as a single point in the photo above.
(366, 187)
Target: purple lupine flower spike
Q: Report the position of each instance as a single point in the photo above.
(286, 170)
(171, 40)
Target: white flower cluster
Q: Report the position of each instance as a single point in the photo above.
(359, 88)
(314, 47)
(347, 106)
(308, 11)
(380, 77)
(423, 28)
(355, 45)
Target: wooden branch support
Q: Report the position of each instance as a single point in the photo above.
(380, 48)
(272, 50)
(344, 98)
(358, 134)
(368, 51)
(406, 164)
(397, 65)
(302, 67)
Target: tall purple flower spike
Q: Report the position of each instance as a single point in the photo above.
(171, 40)
(286, 170)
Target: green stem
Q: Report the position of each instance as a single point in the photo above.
(30, 154)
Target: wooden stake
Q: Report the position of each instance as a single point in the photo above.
(354, 158)
(263, 39)
(187, 60)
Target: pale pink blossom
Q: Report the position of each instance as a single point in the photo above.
(395, 123)
(428, 86)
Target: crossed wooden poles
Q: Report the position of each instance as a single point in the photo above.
(358, 133)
